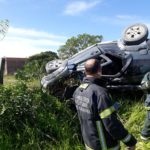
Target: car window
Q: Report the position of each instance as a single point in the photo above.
(104, 61)
(111, 65)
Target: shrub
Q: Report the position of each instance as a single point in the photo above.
(35, 66)
(31, 118)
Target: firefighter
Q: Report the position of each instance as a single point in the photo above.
(145, 134)
(101, 130)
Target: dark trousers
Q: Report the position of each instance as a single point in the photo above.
(146, 129)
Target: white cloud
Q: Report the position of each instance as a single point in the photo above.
(77, 7)
(32, 33)
(21, 42)
(126, 17)
(119, 20)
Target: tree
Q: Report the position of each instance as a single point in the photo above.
(43, 57)
(4, 25)
(37, 62)
(35, 65)
(76, 44)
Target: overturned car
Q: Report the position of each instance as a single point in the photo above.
(124, 62)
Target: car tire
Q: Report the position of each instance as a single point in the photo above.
(53, 65)
(135, 34)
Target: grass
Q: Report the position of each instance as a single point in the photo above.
(131, 113)
(11, 80)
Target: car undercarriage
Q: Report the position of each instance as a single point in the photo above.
(124, 62)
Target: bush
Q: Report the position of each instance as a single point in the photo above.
(31, 118)
(35, 66)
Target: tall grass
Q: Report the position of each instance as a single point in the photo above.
(33, 120)
(133, 115)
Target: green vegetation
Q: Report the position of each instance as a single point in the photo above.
(9, 79)
(35, 66)
(76, 44)
(31, 119)
(132, 115)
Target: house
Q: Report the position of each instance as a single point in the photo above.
(13, 64)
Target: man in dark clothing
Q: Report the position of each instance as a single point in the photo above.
(101, 130)
(145, 134)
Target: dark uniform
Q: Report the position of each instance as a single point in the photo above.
(101, 130)
(146, 86)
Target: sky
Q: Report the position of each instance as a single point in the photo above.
(37, 26)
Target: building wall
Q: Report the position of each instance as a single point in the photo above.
(13, 64)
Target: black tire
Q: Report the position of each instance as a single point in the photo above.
(135, 34)
(53, 65)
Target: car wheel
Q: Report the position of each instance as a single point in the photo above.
(135, 34)
(53, 65)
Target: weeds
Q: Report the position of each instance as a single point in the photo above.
(31, 119)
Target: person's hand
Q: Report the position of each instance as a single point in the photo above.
(131, 148)
(146, 81)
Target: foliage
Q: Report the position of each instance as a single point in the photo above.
(4, 25)
(43, 56)
(133, 115)
(31, 118)
(76, 44)
(35, 66)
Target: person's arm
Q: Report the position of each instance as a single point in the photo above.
(107, 112)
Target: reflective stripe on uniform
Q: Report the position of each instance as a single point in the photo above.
(101, 135)
(147, 108)
(107, 112)
(84, 85)
(115, 148)
(88, 148)
(127, 138)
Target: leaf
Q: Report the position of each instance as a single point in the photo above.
(3, 109)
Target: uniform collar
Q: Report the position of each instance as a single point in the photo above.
(94, 80)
